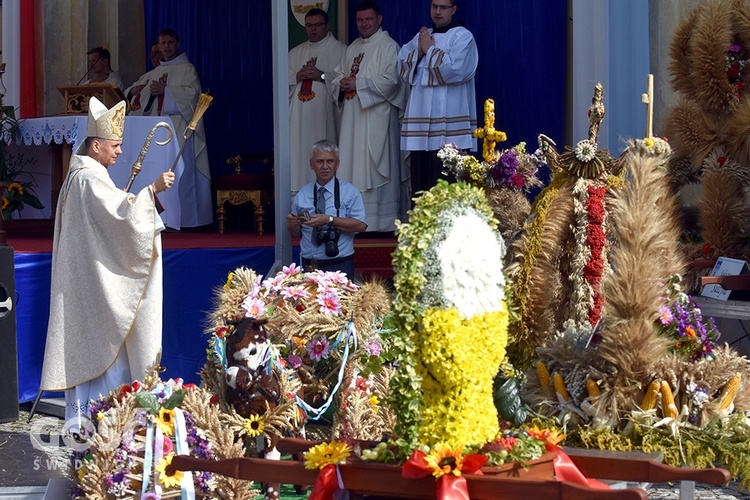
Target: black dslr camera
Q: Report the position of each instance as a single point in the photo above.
(328, 235)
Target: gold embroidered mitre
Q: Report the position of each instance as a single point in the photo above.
(105, 123)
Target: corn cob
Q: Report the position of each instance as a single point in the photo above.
(593, 389)
(651, 396)
(559, 384)
(543, 374)
(668, 408)
(727, 395)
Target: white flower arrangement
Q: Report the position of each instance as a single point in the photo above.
(585, 150)
(462, 266)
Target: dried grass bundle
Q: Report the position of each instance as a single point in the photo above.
(547, 283)
(511, 209)
(741, 21)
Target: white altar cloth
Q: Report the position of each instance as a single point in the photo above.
(71, 129)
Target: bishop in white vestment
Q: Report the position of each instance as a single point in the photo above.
(105, 323)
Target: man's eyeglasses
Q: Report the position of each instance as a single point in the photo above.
(314, 25)
(441, 7)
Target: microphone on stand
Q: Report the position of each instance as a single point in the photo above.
(89, 70)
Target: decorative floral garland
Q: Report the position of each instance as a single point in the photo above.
(136, 430)
(587, 266)
(513, 168)
(311, 319)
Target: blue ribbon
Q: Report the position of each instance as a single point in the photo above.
(348, 333)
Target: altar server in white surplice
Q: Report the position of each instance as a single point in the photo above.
(439, 64)
(173, 89)
(105, 322)
(313, 114)
(372, 98)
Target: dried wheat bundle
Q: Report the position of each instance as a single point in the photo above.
(711, 38)
(646, 255)
(691, 135)
(737, 134)
(724, 211)
(208, 417)
(679, 67)
(227, 298)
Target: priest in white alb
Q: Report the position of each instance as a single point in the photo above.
(438, 64)
(313, 115)
(173, 88)
(105, 323)
(372, 97)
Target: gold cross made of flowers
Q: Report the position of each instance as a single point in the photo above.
(489, 134)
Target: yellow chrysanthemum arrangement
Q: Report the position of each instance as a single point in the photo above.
(452, 317)
(458, 353)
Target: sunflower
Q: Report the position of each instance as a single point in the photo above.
(443, 459)
(15, 186)
(165, 421)
(164, 478)
(5, 203)
(325, 454)
(254, 425)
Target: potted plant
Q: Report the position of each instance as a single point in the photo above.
(16, 185)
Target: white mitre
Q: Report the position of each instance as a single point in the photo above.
(105, 123)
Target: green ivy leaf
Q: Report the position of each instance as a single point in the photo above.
(175, 399)
(148, 401)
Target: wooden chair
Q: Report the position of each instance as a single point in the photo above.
(238, 188)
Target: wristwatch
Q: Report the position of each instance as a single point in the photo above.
(322, 77)
(330, 219)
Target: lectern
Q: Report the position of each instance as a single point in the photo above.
(77, 96)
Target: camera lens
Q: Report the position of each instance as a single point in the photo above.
(332, 248)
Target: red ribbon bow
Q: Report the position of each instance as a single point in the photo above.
(449, 486)
(326, 484)
(566, 470)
